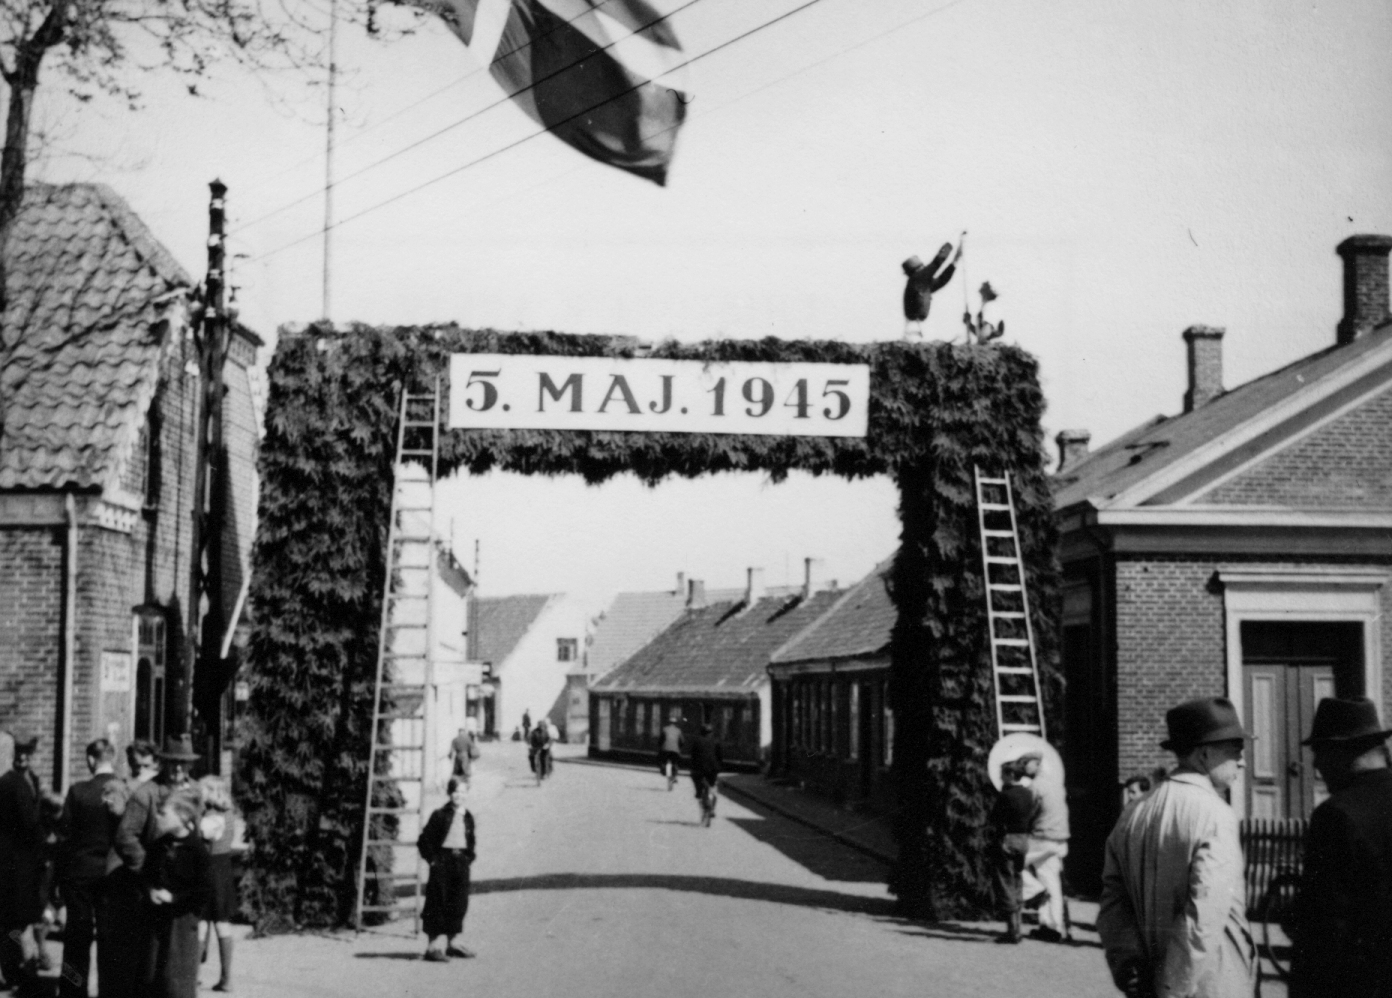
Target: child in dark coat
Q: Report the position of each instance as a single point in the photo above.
(177, 878)
(1012, 817)
(447, 844)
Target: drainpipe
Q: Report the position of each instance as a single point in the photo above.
(65, 693)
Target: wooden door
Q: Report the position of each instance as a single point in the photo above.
(1281, 700)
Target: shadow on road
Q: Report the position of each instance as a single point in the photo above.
(387, 956)
(812, 849)
(748, 890)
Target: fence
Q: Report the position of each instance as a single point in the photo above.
(1273, 847)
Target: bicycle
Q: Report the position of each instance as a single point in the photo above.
(669, 769)
(1276, 907)
(709, 796)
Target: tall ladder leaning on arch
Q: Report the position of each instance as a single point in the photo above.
(405, 673)
(1014, 668)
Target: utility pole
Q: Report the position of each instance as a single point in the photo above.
(205, 574)
(329, 147)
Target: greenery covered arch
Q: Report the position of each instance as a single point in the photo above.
(326, 475)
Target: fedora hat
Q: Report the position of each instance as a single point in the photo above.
(1202, 722)
(179, 748)
(26, 745)
(1345, 721)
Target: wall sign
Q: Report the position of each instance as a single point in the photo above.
(116, 672)
(652, 395)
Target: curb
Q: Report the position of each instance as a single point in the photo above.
(841, 837)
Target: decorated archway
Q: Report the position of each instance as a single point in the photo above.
(935, 410)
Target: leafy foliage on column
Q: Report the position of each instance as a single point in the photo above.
(935, 410)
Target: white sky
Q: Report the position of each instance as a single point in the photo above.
(1125, 170)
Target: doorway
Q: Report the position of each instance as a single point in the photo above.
(1288, 667)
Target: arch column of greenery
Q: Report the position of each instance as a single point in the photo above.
(326, 472)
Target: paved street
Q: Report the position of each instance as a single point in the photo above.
(602, 883)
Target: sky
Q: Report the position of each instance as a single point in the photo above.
(1123, 171)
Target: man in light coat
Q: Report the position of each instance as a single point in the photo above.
(1048, 846)
(1173, 914)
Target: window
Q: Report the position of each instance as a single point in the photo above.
(656, 719)
(567, 649)
(853, 722)
(888, 735)
(149, 674)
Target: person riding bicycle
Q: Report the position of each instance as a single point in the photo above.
(539, 752)
(673, 741)
(706, 760)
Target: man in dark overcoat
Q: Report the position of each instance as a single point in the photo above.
(85, 834)
(21, 862)
(1343, 921)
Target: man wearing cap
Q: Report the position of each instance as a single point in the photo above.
(1173, 915)
(1343, 919)
(135, 835)
(21, 862)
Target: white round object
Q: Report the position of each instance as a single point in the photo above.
(1014, 745)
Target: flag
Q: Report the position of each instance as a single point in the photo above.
(596, 73)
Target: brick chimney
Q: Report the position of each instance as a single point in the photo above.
(1365, 284)
(1205, 365)
(695, 594)
(1072, 448)
(808, 585)
(754, 587)
(681, 583)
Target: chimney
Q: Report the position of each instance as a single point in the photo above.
(1072, 448)
(1205, 365)
(681, 584)
(808, 585)
(1365, 285)
(754, 588)
(695, 594)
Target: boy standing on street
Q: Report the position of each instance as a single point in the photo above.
(1012, 817)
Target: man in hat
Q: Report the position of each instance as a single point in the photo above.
(1343, 921)
(135, 836)
(1173, 913)
(21, 863)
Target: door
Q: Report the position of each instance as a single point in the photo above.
(1281, 699)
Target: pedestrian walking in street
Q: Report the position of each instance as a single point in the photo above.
(447, 845)
(462, 753)
(1012, 817)
(673, 741)
(21, 862)
(122, 922)
(1343, 919)
(176, 875)
(86, 830)
(1173, 914)
(218, 828)
(1047, 848)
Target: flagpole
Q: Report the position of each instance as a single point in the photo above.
(329, 149)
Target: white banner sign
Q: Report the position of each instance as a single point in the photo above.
(115, 672)
(529, 392)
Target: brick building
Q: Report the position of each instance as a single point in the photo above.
(1242, 548)
(709, 665)
(98, 396)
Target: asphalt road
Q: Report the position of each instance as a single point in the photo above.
(603, 883)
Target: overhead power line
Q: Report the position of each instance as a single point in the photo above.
(527, 138)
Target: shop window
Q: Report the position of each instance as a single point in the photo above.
(888, 736)
(853, 722)
(656, 720)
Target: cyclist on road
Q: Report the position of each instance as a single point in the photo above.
(705, 760)
(539, 752)
(673, 741)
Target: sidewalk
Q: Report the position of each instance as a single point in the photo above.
(867, 833)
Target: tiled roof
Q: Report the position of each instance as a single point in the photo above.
(859, 624)
(86, 281)
(629, 623)
(717, 647)
(1143, 451)
(496, 625)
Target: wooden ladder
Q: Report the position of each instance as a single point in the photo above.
(401, 734)
(1014, 668)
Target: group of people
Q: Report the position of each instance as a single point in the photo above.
(702, 750)
(1173, 916)
(138, 863)
(1031, 817)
